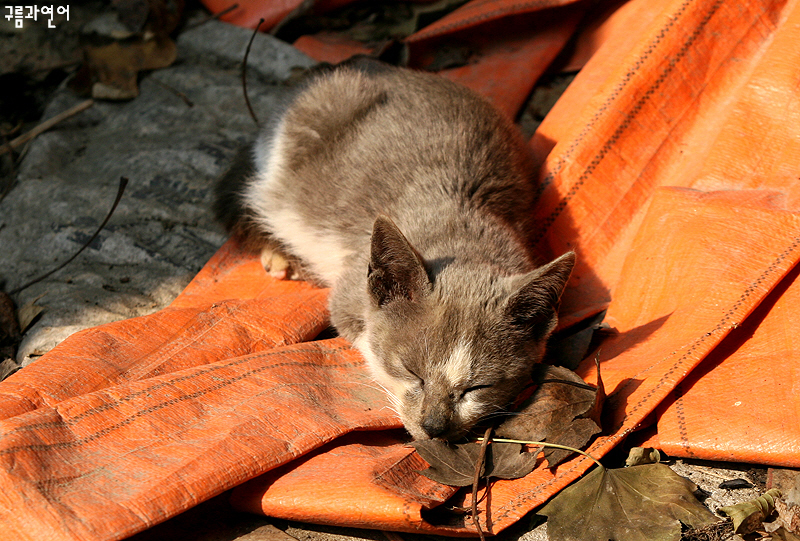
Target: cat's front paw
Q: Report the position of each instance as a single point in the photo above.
(277, 264)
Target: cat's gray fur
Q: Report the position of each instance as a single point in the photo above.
(411, 197)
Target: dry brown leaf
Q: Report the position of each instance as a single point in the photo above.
(563, 410)
(454, 464)
(642, 455)
(782, 534)
(114, 67)
(748, 516)
(640, 503)
(28, 314)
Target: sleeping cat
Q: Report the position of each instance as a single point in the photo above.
(411, 198)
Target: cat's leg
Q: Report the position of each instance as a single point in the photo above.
(279, 264)
(241, 221)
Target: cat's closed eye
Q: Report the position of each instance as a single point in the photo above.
(414, 377)
(461, 395)
(476, 388)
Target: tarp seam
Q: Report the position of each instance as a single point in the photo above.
(543, 229)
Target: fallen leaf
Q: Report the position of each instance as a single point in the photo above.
(576, 435)
(642, 455)
(782, 534)
(563, 410)
(454, 464)
(569, 347)
(788, 505)
(509, 461)
(788, 514)
(28, 314)
(114, 67)
(8, 366)
(640, 503)
(748, 516)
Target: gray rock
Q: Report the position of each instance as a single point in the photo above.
(163, 231)
(270, 59)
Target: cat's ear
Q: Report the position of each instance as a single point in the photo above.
(534, 304)
(396, 270)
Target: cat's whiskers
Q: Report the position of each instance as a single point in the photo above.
(395, 404)
(394, 399)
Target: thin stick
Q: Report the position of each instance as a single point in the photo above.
(212, 17)
(8, 183)
(175, 91)
(476, 480)
(573, 383)
(46, 125)
(489, 523)
(122, 183)
(545, 444)
(244, 72)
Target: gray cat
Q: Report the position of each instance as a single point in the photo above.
(411, 198)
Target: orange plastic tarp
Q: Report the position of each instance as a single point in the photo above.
(669, 165)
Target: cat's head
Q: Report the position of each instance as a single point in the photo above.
(452, 350)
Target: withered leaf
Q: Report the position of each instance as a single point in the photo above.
(568, 348)
(788, 505)
(115, 66)
(8, 366)
(782, 534)
(509, 461)
(788, 514)
(642, 455)
(28, 314)
(563, 410)
(454, 464)
(748, 516)
(576, 434)
(640, 503)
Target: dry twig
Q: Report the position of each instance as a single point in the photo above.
(476, 481)
(211, 17)
(122, 183)
(46, 125)
(244, 72)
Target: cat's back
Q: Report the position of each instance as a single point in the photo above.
(373, 141)
(355, 144)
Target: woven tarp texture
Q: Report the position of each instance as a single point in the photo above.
(670, 165)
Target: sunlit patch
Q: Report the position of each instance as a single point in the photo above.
(458, 365)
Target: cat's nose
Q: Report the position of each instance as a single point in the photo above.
(434, 424)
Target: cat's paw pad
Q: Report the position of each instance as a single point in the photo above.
(276, 264)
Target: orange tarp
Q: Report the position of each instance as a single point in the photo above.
(670, 165)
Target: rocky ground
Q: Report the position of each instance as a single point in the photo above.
(171, 142)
